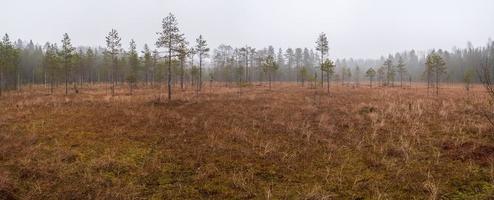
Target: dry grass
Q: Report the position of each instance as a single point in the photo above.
(288, 143)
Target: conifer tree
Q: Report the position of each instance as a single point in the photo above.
(51, 63)
(134, 65)
(113, 49)
(9, 58)
(357, 75)
(290, 59)
(390, 71)
(467, 78)
(183, 52)
(328, 67)
(169, 38)
(90, 61)
(371, 73)
(401, 67)
(148, 62)
(269, 67)
(202, 51)
(298, 62)
(66, 55)
(437, 66)
(323, 47)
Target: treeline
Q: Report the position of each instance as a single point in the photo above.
(181, 63)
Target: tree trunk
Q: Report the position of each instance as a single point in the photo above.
(147, 75)
(1, 82)
(182, 74)
(401, 80)
(327, 74)
(200, 71)
(428, 81)
(113, 77)
(44, 80)
(169, 72)
(51, 83)
(66, 81)
(269, 78)
(246, 66)
(322, 74)
(437, 83)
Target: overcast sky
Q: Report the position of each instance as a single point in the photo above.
(355, 28)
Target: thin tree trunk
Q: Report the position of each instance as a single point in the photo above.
(322, 74)
(401, 80)
(18, 85)
(437, 83)
(44, 80)
(327, 74)
(246, 65)
(1, 82)
(200, 71)
(269, 77)
(169, 73)
(182, 74)
(428, 81)
(113, 78)
(51, 83)
(66, 81)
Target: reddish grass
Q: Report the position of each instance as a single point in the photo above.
(289, 143)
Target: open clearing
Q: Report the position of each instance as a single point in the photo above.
(289, 143)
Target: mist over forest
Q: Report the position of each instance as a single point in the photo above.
(89, 63)
(257, 99)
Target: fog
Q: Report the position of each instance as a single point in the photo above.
(359, 29)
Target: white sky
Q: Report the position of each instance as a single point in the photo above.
(355, 28)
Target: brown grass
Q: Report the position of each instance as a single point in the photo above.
(288, 143)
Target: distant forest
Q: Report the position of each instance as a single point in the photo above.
(26, 62)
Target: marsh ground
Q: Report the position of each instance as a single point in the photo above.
(289, 143)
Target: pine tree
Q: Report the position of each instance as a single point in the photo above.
(328, 67)
(202, 51)
(303, 74)
(280, 59)
(113, 49)
(169, 38)
(148, 62)
(78, 63)
(401, 67)
(51, 63)
(437, 66)
(247, 57)
(298, 61)
(134, 65)
(467, 78)
(9, 58)
(67, 54)
(155, 66)
(357, 75)
(381, 75)
(290, 57)
(183, 52)
(390, 71)
(323, 47)
(349, 75)
(371, 73)
(90, 61)
(269, 67)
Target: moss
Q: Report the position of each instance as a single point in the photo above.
(473, 190)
